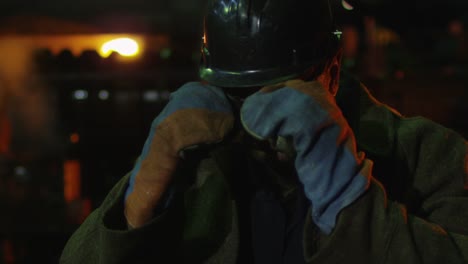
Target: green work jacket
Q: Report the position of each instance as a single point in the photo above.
(414, 211)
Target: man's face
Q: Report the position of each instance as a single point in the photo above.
(241, 92)
(278, 152)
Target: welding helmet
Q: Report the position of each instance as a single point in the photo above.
(249, 43)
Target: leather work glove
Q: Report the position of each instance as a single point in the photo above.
(196, 114)
(333, 173)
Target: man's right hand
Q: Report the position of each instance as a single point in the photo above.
(196, 114)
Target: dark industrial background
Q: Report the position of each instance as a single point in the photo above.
(72, 123)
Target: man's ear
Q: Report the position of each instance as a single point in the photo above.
(334, 73)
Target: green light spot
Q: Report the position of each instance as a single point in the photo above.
(338, 34)
(205, 72)
(226, 10)
(165, 53)
(206, 51)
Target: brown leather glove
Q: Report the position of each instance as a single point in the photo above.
(195, 114)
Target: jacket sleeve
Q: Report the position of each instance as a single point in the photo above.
(375, 229)
(198, 226)
(104, 238)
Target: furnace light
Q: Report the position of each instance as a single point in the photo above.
(126, 47)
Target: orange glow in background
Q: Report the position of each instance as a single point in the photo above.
(74, 138)
(104, 44)
(71, 180)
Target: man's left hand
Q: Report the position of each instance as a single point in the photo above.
(333, 173)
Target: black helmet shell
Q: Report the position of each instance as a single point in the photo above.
(259, 42)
